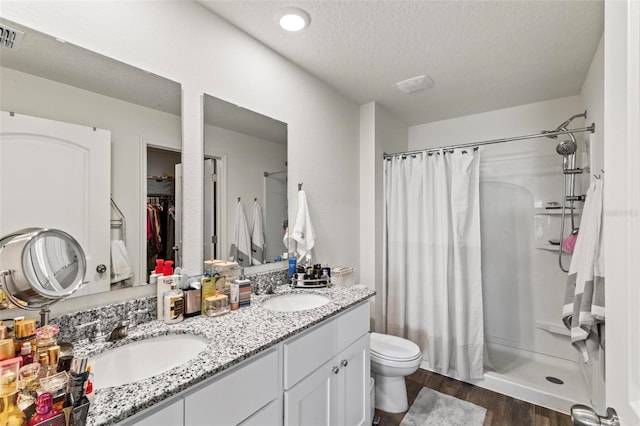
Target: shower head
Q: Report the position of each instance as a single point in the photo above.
(566, 148)
(564, 125)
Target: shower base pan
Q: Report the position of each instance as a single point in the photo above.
(539, 379)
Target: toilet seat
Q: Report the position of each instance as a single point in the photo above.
(394, 349)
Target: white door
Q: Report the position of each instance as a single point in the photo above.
(57, 175)
(312, 402)
(353, 389)
(209, 209)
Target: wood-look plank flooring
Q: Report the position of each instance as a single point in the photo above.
(502, 410)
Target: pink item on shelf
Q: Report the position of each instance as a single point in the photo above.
(569, 243)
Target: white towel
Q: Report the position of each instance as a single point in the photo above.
(257, 235)
(120, 265)
(241, 245)
(303, 235)
(583, 311)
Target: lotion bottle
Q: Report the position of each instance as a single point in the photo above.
(164, 284)
(173, 305)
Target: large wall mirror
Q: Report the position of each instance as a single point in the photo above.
(114, 108)
(249, 170)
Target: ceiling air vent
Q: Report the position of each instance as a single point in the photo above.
(10, 38)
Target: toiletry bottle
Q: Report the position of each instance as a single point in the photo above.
(164, 284)
(46, 336)
(78, 376)
(88, 392)
(244, 289)
(158, 272)
(26, 354)
(44, 409)
(24, 330)
(234, 296)
(173, 305)
(45, 369)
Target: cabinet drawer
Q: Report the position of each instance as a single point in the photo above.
(237, 395)
(352, 325)
(308, 352)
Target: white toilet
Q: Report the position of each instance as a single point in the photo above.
(392, 359)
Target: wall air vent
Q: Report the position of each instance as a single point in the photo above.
(10, 38)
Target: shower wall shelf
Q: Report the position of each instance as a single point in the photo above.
(552, 327)
(548, 247)
(556, 212)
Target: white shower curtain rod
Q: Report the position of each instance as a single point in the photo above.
(591, 129)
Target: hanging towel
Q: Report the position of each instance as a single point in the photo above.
(583, 310)
(241, 245)
(120, 265)
(303, 235)
(257, 235)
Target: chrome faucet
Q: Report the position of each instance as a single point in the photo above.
(120, 331)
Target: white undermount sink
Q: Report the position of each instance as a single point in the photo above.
(143, 359)
(295, 302)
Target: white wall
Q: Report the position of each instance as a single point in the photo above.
(380, 132)
(130, 126)
(247, 158)
(207, 55)
(523, 285)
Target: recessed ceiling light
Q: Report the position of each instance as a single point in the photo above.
(415, 84)
(293, 19)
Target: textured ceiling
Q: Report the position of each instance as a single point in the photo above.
(482, 55)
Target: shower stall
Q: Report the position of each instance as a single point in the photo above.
(530, 206)
(530, 201)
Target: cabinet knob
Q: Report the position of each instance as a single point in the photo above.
(101, 268)
(335, 370)
(344, 363)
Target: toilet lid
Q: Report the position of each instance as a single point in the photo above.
(393, 348)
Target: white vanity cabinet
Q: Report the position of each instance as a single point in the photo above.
(319, 377)
(326, 373)
(236, 395)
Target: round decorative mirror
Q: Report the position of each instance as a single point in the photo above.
(40, 266)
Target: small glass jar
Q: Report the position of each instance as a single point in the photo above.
(216, 305)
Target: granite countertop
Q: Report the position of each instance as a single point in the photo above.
(233, 338)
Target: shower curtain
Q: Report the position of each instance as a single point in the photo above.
(432, 258)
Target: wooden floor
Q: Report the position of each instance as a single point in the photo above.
(501, 410)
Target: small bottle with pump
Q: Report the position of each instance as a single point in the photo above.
(173, 305)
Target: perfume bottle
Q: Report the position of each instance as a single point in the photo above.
(44, 409)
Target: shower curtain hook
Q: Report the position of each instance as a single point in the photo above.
(300, 186)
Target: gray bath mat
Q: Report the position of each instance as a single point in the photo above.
(433, 408)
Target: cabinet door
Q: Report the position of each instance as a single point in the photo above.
(312, 402)
(353, 389)
(271, 415)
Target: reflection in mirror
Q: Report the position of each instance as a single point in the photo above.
(250, 152)
(47, 78)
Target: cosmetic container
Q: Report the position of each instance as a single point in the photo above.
(26, 354)
(216, 305)
(234, 296)
(7, 349)
(173, 305)
(192, 302)
(44, 409)
(164, 284)
(46, 336)
(10, 413)
(24, 330)
(208, 289)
